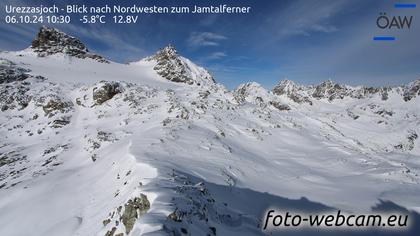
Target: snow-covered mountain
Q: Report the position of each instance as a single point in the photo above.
(173, 67)
(158, 147)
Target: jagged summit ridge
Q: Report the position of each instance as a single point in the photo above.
(326, 90)
(296, 93)
(171, 66)
(51, 41)
(169, 50)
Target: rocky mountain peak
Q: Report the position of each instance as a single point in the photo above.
(169, 51)
(329, 89)
(287, 82)
(51, 41)
(327, 83)
(250, 92)
(412, 90)
(250, 86)
(285, 87)
(290, 89)
(171, 66)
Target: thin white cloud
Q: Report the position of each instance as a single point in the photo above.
(301, 18)
(116, 42)
(204, 39)
(216, 56)
(324, 28)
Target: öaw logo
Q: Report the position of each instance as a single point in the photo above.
(399, 22)
(394, 22)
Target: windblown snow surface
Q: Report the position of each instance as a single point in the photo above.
(150, 156)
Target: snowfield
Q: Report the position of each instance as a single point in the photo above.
(156, 147)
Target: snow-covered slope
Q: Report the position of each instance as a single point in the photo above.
(158, 147)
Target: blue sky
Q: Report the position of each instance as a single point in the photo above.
(307, 41)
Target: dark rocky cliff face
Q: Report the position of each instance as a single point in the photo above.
(171, 66)
(51, 41)
(105, 91)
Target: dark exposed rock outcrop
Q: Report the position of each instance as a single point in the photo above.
(105, 91)
(411, 90)
(133, 209)
(171, 66)
(279, 106)
(54, 104)
(10, 72)
(14, 96)
(51, 41)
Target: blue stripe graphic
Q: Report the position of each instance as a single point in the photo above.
(404, 5)
(382, 38)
